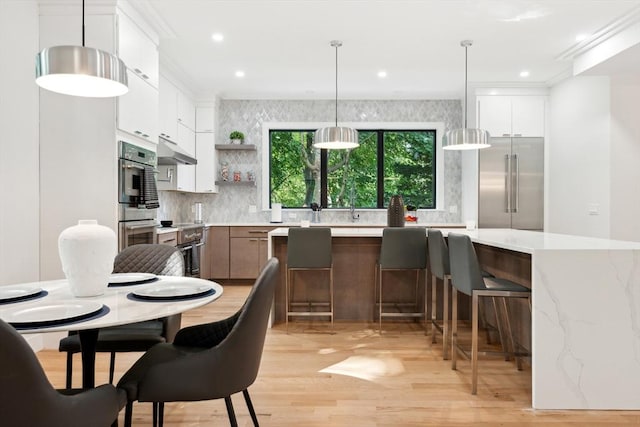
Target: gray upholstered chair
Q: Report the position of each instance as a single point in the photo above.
(29, 400)
(308, 249)
(162, 260)
(209, 361)
(402, 248)
(466, 277)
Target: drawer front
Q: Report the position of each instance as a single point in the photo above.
(168, 238)
(244, 231)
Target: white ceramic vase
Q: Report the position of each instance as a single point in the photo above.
(87, 251)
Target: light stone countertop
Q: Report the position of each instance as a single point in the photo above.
(516, 240)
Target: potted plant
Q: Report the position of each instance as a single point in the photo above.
(236, 137)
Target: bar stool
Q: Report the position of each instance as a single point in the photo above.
(439, 266)
(466, 277)
(308, 249)
(401, 249)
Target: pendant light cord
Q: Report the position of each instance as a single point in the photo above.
(337, 85)
(465, 86)
(82, 23)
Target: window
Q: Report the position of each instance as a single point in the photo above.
(387, 162)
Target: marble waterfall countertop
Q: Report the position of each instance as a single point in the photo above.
(585, 315)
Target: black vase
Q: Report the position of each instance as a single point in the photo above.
(395, 212)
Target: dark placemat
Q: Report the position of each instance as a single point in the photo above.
(205, 294)
(139, 282)
(71, 321)
(40, 294)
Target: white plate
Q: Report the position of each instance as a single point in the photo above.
(54, 312)
(170, 291)
(20, 291)
(124, 278)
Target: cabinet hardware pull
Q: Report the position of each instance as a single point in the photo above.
(517, 134)
(506, 134)
(144, 76)
(253, 240)
(137, 70)
(137, 132)
(258, 231)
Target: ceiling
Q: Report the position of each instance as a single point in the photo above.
(284, 46)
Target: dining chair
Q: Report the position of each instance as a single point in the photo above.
(466, 277)
(401, 249)
(157, 259)
(29, 400)
(208, 361)
(308, 249)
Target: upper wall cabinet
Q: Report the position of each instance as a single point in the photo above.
(186, 111)
(205, 119)
(137, 50)
(138, 110)
(168, 110)
(511, 115)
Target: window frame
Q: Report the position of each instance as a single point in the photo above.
(373, 126)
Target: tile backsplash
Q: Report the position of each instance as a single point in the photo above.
(231, 205)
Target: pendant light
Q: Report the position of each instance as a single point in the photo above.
(334, 137)
(81, 71)
(465, 138)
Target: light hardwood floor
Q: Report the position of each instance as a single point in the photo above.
(355, 377)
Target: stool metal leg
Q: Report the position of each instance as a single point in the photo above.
(510, 333)
(380, 299)
(474, 343)
(434, 307)
(331, 293)
(499, 323)
(454, 327)
(286, 280)
(445, 317)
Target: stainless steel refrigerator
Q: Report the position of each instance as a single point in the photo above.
(511, 184)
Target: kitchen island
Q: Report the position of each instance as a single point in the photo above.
(586, 306)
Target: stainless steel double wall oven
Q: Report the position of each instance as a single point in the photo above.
(138, 196)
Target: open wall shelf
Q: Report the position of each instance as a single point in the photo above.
(244, 147)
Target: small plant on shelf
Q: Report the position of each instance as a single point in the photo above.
(236, 137)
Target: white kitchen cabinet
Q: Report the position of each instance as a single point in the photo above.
(186, 174)
(511, 115)
(206, 167)
(186, 111)
(168, 109)
(137, 50)
(205, 119)
(527, 115)
(138, 110)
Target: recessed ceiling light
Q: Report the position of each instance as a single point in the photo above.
(217, 37)
(239, 73)
(382, 74)
(581, 37)
(524, 73)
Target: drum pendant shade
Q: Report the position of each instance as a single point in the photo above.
(81, 71)
(465, 138)
(335, 137)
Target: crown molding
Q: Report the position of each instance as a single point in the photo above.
(155, 20)
(602, 35)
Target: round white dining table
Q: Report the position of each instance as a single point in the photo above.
(122, 307)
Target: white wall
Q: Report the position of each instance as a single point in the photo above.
(78, 150)
(625, 158)
(579, 157)
(19, 188)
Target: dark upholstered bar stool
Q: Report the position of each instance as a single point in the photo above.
(402, 249)
(308, 249)
(466, 277)
(439, 265)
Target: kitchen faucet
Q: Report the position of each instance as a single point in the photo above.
(352, 205)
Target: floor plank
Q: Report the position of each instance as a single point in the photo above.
(353, 376)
